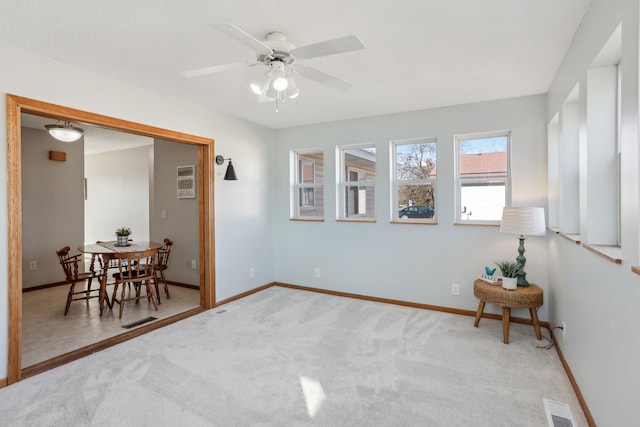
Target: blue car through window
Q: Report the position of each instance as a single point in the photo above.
(416, 212)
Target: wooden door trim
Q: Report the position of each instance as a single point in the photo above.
(17, 105)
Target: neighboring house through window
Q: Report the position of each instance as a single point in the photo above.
(482, 172)
(356, 195)
(307, 192)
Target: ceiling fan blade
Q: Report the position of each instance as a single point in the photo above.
(216, 69)
(329, 47)
(323, 78)
(243, 37)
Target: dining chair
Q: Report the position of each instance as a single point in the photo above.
(71, 266)
(138, 268)
(161, 266)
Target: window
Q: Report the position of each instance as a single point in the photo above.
(482, 172)
(307, 192)
(357, 183)
(599, 155)
(413, 180)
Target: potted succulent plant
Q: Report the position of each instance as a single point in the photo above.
(122, 234)
(510, 271)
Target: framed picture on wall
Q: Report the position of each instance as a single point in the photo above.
(186, 182)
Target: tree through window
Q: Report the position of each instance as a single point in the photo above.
(414, 184)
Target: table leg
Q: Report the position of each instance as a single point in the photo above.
(479, 313)
(506, 315)
(103, 290)
(103, 283)
(536, 325)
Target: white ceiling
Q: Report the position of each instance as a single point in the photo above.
(419, 53)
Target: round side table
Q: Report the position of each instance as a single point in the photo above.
(523, 297)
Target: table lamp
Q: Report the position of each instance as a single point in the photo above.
(523, 221)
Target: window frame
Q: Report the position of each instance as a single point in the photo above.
(488, 180)
(304, 185)
(297, 188)
(396, 183)
(342, 183)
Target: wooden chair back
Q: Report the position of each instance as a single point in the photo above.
(70, 263)
(135, 267)
(71, 266)
(163, 254)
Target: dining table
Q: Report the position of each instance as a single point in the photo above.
(106, 251)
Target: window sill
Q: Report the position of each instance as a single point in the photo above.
(481, 224)
(415, 222)
(355, 220)
(575, 238)
(610, 253)
(307, 219)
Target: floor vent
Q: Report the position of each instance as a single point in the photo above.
(223, 310)
(138, 322)
(558, 414)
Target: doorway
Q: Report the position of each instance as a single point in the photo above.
(17, 106)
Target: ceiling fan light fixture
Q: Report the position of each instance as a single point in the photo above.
(65, 132)
(271, 93)
(292, 89)
(280, 81)
(260, 85)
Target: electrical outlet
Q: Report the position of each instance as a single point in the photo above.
(455, 289)
(193, 264)
(316, 272)
(33, 265)
(564, 331)
(252, 273)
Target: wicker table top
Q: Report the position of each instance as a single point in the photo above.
(522, 297)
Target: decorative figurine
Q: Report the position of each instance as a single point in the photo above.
(489, 271)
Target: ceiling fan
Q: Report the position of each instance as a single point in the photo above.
(281, 57)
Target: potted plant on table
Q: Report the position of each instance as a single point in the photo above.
(510, 271)
(122, 234)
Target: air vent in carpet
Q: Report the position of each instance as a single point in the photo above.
(558, 414)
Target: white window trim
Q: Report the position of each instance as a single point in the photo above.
(306, 185)
(507, 180)
(343, 183)
(397, 183)
(296, 187)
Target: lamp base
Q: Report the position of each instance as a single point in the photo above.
(522, 280)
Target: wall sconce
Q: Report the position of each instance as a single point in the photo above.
(230, 174)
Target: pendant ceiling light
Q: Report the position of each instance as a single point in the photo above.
(64, 132)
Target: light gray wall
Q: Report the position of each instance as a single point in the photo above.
(598, 300)
(411, 262)
(53, 209)
(118, 193)
(181, 222)
(243, 236)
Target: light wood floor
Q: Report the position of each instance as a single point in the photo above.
(47, 332)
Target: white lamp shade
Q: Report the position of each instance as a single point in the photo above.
(523, 221)
(261, 84)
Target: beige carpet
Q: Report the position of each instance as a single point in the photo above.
(283, 357)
